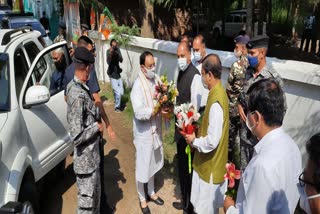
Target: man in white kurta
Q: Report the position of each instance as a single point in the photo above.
(146, 129)
(199, 52)
(211, 148)
(269, 183)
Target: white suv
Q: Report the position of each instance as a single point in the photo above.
(235, 22)
(33, 127)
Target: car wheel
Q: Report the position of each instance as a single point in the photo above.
(216, 33)
(29, 196)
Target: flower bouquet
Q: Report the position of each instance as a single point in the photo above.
(187, 117)
(232, 176)
(165, 94)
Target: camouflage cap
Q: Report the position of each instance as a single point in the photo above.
(83, 55)
(258, 42)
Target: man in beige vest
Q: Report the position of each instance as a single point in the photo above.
(211, 147)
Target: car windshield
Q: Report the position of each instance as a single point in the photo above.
(4, 82)
(35, 26)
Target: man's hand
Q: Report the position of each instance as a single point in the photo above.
(100, 126)
(190, 138)
(228, 202)
(241, 112)
(111, 133)
(71, 52)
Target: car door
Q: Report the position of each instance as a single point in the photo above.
(46, 123)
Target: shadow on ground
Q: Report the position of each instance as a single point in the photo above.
(54, 187)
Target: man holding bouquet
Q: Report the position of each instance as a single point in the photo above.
(189, 86)
(147, 130)
(211, 148)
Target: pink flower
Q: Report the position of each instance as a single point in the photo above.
(157, 88)
(179, 116)
(232, 174)
(155, 95)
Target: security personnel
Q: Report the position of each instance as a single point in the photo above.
(234, 87)
(85, 128)
(258, 69)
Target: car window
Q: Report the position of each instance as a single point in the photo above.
(4, 82)
(229, 18)
(50, 69)
(32, 50)
(244, 18)
(20, 69)
(237, 19)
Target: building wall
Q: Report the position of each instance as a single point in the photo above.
(302, 81)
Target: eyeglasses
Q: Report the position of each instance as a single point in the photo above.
(303, 182)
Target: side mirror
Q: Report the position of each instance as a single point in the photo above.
(37, 95)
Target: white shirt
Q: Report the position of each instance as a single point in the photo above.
(269, 183)
(204, 92)
(196, 91)
(210, 142)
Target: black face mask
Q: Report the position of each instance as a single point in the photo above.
(61, 65)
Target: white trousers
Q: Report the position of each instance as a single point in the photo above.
(206, 198)
(140, 189)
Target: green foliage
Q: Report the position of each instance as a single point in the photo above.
(123, 34)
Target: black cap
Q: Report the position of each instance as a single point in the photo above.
(85, 26)
(62, 25)
(83, 55)
(86, 39)
(258, 42)
(242, 39)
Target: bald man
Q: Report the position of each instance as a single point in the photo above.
(211, 148)
(190, 87)
(199, 52)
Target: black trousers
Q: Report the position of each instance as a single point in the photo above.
(184, 176)
(104, 206)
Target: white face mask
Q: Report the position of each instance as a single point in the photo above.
(204, 84)
(197, 55)
(237, 53)
(150, 73)
(182, 63)
(304, 199)
(247, 123)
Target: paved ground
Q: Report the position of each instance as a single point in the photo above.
(119, 178)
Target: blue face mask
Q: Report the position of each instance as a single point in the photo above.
(253, 61)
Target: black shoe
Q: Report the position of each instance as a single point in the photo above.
(178, 205)
(145, 210)
(157, 201)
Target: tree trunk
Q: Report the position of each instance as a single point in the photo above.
(250, 7)
(263, 6)
(270, 12)
(240, 4)
(296, 10)
(147, 17)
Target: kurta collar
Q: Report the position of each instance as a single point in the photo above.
(265, 141)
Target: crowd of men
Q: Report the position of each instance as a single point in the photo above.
(241, 123)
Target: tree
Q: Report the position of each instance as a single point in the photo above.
(250, 8)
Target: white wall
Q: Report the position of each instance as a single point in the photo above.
(302, 81)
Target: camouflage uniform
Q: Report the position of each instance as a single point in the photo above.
(234, 87)
(59, 38)
(247, 139)
(82, 118)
